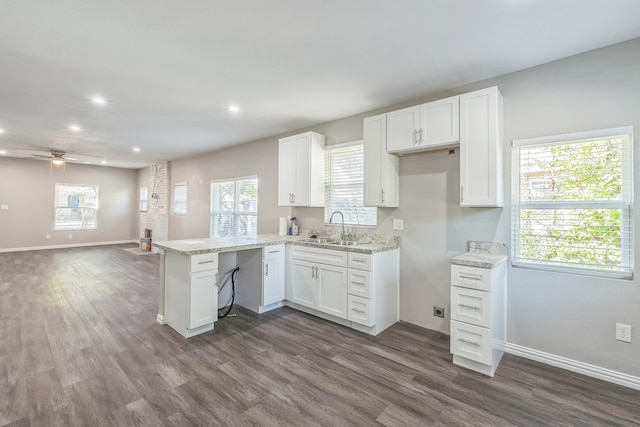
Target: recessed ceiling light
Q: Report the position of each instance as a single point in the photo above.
(234, 108)
(75, 128)
(104, 162)
(136, 149)
(2, 130)
(98, 100)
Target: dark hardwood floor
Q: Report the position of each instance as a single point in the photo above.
(79, 346)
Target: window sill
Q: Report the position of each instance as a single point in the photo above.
(574, 270)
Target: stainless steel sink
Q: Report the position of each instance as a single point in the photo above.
(342, 243)
(321, 241)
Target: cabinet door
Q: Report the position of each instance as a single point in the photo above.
(203, 299)
(402, 129)
(272, 281)
(381, 182)
(440, 122)
(481, 148)
(286, 168)
(302, 171)
(332, 290)
(305, 285)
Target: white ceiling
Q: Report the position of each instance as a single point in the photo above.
(170, 68)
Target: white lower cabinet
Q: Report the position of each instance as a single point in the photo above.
(191, 292)
(273, 276)
(478, 317)
(320, 283)
(355, 289)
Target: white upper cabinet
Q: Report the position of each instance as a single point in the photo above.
(301, 170)
(481, 148)
(381, 181)
(424, 127)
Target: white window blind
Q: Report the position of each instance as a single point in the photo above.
(76, 207)
(234, 207)
(180, 198)
(573, 202)
(345, 185)
(144, 199)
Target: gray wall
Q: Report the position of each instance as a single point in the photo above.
(28, 187)
(562, 314)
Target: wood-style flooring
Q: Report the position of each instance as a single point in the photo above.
(79, 346)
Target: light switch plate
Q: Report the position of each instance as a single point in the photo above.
(398, 224)
(4, 207)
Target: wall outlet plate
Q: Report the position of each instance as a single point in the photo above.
(398, 224)
(438, 311)
(623, 332)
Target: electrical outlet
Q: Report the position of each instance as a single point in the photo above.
(398, 224)
(47, 236)
(623, 332)
(71, 236)
(438, 311)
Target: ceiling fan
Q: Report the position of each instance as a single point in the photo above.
(57, 157)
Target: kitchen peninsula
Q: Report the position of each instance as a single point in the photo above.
(355, 285)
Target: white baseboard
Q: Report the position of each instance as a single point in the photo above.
(72, 245)
(574, 366)
(161, 319)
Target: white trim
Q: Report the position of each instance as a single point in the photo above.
(344, 144)
(73, 245)
(161, 319)
(568, 138)
(574, 366)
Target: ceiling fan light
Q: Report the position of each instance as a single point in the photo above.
(57, 162)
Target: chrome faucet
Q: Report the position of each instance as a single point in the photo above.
(344, 236)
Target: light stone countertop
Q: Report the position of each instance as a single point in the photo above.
(231, 244)
(482, 255)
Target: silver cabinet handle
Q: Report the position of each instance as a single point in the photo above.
(358, 283)
(421, 139)
(382, 195)
(461, 193)
(266, 269)
(471, 307)
(274, 252)
(415, 136)
(358, 311)
(206, 262)
(358, 260)
(475, 344)
(313, 271)
(467, 277)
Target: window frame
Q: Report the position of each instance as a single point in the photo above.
(626, 204)
(329, 207)
(144, 199)
(176, 187)
(236, 212)
(56, 208)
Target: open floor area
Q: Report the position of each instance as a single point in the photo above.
(80, 346)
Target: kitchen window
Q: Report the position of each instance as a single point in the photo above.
(144, 199)
(345, 185)
(234, 207)
(76, 207)
(180, 198)
(573, 202)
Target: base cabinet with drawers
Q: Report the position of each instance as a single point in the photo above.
(478, 316)
(359, 290)
(191, 292)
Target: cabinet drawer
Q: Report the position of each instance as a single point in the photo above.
(471, 277)
(359, 283)
(272, 252)
(204, 262)
(360, 261)
(471, 342)
(359, 310)
(319, 255)
(471, 306)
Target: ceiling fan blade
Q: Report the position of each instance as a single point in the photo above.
(70, 158)
(44, 157)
